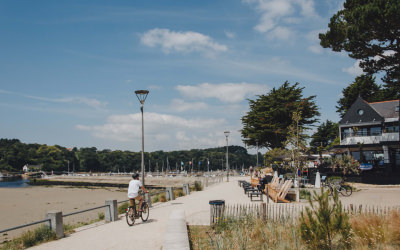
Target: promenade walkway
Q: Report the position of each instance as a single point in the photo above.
(150, 235)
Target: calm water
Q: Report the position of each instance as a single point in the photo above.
(13, 183)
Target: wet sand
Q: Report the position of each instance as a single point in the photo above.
(25, 205)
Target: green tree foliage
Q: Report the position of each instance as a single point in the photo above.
(325, 136)
(14, 155)
(275, 154)
(270, 115)
(324, 225)
(369, 31)
(296, 143)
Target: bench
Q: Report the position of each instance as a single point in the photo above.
(257, 194)
(279, 195)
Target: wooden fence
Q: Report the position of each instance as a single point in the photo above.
(276, 211)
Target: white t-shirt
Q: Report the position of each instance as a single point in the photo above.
(133, 188)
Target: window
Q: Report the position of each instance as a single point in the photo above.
(376, 131)
(397, 108)
(360, 112)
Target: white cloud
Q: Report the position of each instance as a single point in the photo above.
(315, 49)
(275, 12)
(354, 70)
(160, 130)
(91, 102)
(281, 33)
(313, 38)
(185, 42)
(225, 92)
(181, 106)
(230, 34)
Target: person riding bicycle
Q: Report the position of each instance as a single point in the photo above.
(133, 191)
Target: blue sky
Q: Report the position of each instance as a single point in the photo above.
(69, 69)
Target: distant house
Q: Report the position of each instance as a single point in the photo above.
(370, 133)
(25, 168)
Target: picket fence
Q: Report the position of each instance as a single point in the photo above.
(284, 211)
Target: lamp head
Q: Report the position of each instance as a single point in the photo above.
(141, 95)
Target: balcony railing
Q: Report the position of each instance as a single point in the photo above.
(368, 138)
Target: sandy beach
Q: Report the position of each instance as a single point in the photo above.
(25, 205)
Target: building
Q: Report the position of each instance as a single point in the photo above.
(370, 133)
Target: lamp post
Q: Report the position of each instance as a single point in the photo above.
(142, 95)
(227, 157)
(257, 152)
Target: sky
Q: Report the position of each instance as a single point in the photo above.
(69, 69)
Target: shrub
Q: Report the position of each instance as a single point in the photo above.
(373, 231)
(122, 208)
(325, 226)
(163, 198)
(179, 193)
(100, 216)
(305, 194)
(39, 235)
(247, 232)
(155, 199)
(198, 186)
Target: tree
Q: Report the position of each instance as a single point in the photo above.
(325, 135)
(369, 31)
(325, 226)
(364, 86)
(296, 143)
(270, 115)
(274, 154)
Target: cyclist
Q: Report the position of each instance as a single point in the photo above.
(133, 191)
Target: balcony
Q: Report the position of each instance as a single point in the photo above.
(355, 138)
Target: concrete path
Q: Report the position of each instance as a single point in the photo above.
(151, 234)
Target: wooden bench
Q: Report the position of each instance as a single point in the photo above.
(257, 194)
(279, 195)
(254, 182)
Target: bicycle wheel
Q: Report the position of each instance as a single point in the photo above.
(130, 216)
(145, 211)
(346, 190)
(329, 190)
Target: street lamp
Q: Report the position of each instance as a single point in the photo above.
(142, 95)
(257, 152)
(227, 159)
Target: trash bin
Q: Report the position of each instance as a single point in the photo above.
(217, 208)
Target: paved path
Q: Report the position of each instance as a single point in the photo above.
(150, 235)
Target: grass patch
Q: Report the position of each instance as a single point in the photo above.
(31, 238)
(245, 233)
(178, 193)
(305, 194)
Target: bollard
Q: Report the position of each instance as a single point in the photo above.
(186, 188)
(317, 180)
(111, 211)
(56, 222)
(147, 198)
(169, 193)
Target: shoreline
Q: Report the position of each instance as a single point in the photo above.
(28, 204)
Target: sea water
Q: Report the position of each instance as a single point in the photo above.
(13, 182)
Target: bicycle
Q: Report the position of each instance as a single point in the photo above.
(131, 214)
(345, 190)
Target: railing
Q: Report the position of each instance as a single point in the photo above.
(24, 225)
(111, 207)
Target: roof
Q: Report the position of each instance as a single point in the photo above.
(374, 112)
(386, 109)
